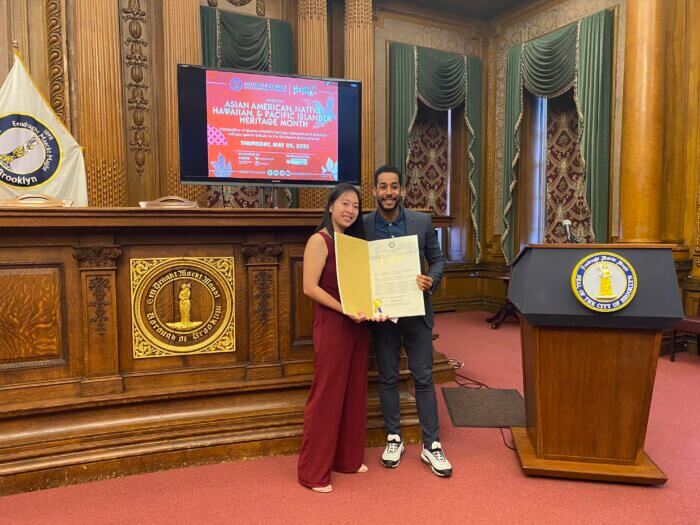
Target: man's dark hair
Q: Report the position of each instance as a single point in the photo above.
(386, 169)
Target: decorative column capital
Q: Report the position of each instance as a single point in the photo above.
(96, 257)
(262, 253)
(312, 10)
(358, 13)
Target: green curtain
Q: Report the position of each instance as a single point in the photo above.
(443, 81)
(511, 146)
(441, 78)
(208, 34)
(402, 90)
(245, 42)
(594, 93)
(549, 63)
(578, 55)
(281, 46)
(473, 119)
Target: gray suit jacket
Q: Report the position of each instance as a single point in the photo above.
(419, 224)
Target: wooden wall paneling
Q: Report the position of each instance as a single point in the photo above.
(284, 305)
(100, 323)
(6, 22)
(32, 332)
(38, 28)
(98, 112)
(471, 286)
(262, 261)
(530, 190)
(41, 336)
(298, 352)
(494, 287)
(27, 29)
(18, 30)
(675, 121)
(296, 314)
(59, 88)
(459, 201)
(37, 44)
(137, 25)
(178, 42)
(492, 216)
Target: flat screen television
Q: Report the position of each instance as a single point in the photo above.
(264, 129)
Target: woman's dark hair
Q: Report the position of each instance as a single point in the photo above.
(357, 228)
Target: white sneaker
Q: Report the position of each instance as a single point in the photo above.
(437, 460)
(391, 457)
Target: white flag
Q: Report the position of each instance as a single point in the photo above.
(37, 153)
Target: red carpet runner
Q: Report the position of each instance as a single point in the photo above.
(487, 487)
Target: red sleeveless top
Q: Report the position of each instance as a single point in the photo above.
(329, 275)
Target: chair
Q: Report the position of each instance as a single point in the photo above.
(171, 201)
(35, 200)
(689, 325)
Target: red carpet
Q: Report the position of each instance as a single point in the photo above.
(487, 486)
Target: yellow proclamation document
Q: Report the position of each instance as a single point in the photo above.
(379, 277)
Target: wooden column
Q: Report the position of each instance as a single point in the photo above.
(359, 65)
(643, 123)
(692, 154)
(312, 59)
(179, 43)
(288, 12)
(98, 110)
(692, 142)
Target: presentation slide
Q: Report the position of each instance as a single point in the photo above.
(270, 127)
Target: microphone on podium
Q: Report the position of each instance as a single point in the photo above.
(567, 226)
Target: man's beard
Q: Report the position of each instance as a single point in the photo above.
(396, 205)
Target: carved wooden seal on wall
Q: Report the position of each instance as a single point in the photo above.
(182, 306)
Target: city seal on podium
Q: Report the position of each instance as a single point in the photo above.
(604, 282)
(182, 306)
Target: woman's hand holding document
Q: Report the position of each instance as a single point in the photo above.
(379, 277)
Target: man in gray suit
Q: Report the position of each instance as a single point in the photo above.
(391, 219)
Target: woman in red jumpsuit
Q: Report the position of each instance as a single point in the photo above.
(335, 419)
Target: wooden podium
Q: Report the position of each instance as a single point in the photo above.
(588, 375)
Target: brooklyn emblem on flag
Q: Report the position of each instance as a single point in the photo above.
(37, 152)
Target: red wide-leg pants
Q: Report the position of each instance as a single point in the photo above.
(335, 419)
